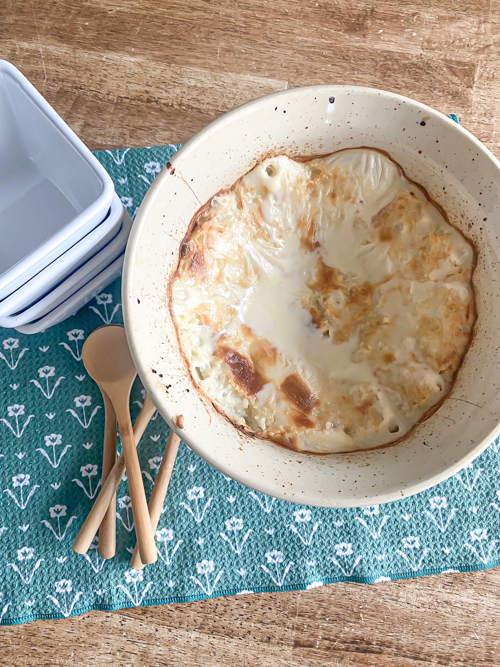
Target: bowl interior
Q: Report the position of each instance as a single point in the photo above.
(458, 172)
(44, 181)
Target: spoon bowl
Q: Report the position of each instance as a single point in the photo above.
(107, 359)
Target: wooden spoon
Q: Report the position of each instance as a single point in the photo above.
(91, 524)
(107, 529)
(160, 488)
(109, 363)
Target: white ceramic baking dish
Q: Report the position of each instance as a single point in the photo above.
(53, 191)
(458, 172)
(74, 281)
(77, 300)
(69, 262)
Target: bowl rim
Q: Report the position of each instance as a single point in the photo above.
(422, 484)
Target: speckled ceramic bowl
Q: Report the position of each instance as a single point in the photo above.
(459, 173)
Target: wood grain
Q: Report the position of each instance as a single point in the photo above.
(143, 72)
(439, 620)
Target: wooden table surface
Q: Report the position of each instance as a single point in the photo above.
(142, 72)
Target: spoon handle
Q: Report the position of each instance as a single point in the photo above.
(159, 492)
(107, 530)
(91, 524)
(143, 530)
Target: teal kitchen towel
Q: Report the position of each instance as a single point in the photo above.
(215, 537)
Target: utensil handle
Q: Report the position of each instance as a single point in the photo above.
(143, 531)
(91, 524)
(107, 530)
(159, 492)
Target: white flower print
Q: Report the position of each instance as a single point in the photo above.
(98, 563)
(9, 345)
(275, 558)
(64, 587)
(16, 411)
(132, 576)
(304, 516)
(207, 567)
(467, 480)
(479, 537)
(57, 512)
(105, 300)
(45, 373)
(235, 525)
(19, 482)
(152, 167)
(124, 503)
(343, 550)
(165, 535)
(84, 402)
(127, 201)
(118, 155)
(196, 493)
(479, 534)
(51, 442)
(413, 544)
(25, 553)
(438, 504)
(74, 336)
(135, 577)
(372, 511)
(88, 471)
(265, 502)
(155, 462)
(23, 569)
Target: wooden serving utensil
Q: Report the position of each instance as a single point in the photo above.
(91, 524)
(107, 529)
(159, 492)
(109, 363)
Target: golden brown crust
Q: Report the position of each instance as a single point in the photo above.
(296, 391)
(243, 371)
(246, 371)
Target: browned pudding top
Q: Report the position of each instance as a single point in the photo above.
(326, 305)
